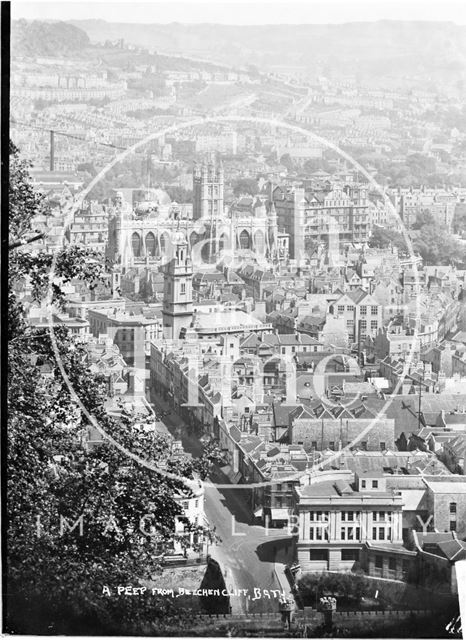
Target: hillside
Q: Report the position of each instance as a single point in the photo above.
(375, 50)
(38, 38)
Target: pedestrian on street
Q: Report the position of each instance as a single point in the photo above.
(286, 608)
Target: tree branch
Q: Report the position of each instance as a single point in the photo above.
(23, 241)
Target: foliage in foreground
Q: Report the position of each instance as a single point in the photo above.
(74, 514)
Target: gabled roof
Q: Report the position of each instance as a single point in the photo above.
(281, 413)
(251, 340)
(457, 445)
(357, 295)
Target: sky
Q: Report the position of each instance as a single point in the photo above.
(242, 13)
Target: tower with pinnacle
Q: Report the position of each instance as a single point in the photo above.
(208, 184)
(177, 309)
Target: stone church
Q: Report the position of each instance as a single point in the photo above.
(143, 234)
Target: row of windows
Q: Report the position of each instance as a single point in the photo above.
(185, 504)
(363, 310)
(381, 533)
(381, 516)
(374, 324)
(350, 515)
(391, 564)
(303, 349)
(374, 483)
(318, 516)
(318, 533)
(347, 555)
(287, 486)
(350, 533)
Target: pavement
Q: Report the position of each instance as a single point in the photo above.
(250, 555)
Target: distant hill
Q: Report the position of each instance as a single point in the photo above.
(46, 38)
(376, 50)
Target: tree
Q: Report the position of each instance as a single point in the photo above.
(318, 164)
(79, 518)
(287, 161)
(179, 194)
(87, 167)
(436, 246)
(422, 218)
(382, 238)
(244, 186)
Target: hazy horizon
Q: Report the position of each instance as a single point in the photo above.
(313, 12)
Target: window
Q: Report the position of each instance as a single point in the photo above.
(332, 445)
(314, 444)
(350, 323)
(348, 555)
(453, 507)
(378, 562)
(196, 504)
(375, 484)
(363, 325)
(283, 350)
(382, 446)
(320, 533)
(392, 564)
(363, 310)
(452, 525)
(363, 484)
(374, 324)
(318, 554)
(374, 533)
(364, 445)
(343, 533)
(374, 310)
(381, 533)
(183, 287)
(350, 307)
(341, 308)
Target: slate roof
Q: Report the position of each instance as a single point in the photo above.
(453, 550)
(281, 413)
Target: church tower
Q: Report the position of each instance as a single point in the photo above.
(178, 290)
(208, 185)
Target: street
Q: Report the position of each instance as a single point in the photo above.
(246, 552)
